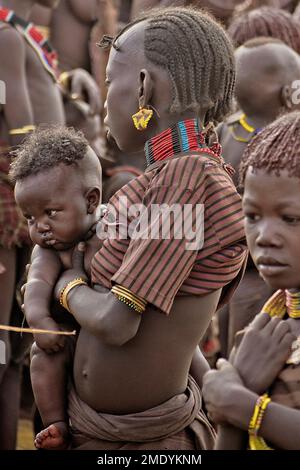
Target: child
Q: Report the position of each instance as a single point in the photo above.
(152, 298)
(266, 72)
(58, 188)
(270, 173)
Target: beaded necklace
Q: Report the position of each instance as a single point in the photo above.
(246, 126)
(282, 302)
(37, 41)
(184, 136)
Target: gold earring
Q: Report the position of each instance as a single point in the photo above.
(142, 118)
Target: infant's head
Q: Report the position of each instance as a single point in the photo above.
(58, 186)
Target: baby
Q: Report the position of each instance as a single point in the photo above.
(58, 188)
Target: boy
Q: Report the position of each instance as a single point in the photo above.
(267, 70)
(267, 359)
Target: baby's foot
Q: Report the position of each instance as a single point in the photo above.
(54, 437)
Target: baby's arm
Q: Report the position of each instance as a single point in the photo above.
(44, 271)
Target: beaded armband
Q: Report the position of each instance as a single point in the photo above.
(128, 298)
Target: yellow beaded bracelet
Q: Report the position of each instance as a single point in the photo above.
(63, 297)
(256, 442)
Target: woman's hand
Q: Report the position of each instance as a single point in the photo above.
(76, 271)
(217, 387)
(263, 351)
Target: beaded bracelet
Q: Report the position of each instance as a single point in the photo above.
(63, 297)
(22, 130)
(256, 442)
(130, 299)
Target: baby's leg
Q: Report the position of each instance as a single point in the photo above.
(49, 374)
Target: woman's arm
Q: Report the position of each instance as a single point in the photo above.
(97, 309)
(101, 313)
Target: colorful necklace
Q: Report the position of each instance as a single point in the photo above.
(37, 41)
(282, 302)
(184, 136)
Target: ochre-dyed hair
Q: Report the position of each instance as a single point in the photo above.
(197, 54)
(275, 148)
(266, 21)
(46, 148)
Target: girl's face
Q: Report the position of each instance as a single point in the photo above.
(271, 207)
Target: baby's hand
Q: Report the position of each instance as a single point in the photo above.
(50, 343)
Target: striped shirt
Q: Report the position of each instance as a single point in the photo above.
(158, 269)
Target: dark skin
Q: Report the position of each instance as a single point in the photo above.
(70, 25)
(263, 91)
(31, 98)
(57, 220)
(75, 28)
(114, 341)
(221, 9)
(272, 229)
(70, 16)
(265, 75)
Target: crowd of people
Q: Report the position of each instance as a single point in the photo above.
(137, 338)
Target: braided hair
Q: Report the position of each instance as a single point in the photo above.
(275, 148)
(197, 54)
(266, 21)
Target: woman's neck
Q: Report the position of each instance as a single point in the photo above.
(164, 122)
(22, 8)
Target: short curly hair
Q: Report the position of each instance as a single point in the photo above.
(46, 148)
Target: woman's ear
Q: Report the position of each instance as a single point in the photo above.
(93, 199)
(145, 88)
